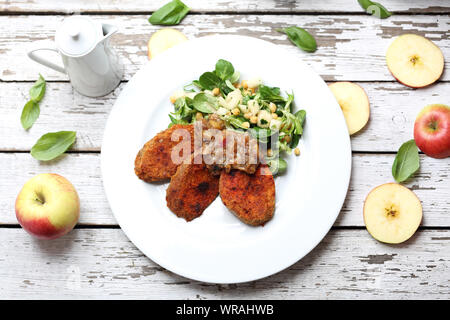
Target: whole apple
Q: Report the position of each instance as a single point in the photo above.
(432, 131)
(48, 206)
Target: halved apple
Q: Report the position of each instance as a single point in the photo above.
(354, 104)
(164, 39)
(414, 60)
(392, 213)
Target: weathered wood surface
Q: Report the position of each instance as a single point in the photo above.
(350, 47)
(102, 263)
(344, 6)
(369, 170)
(393, 110)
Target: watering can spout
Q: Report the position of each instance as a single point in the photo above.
(108, 30)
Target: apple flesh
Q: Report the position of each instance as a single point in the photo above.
(432, 131)
(164, 39)
(48, 206)
(354, 103)
(392, 213)
(414, 60)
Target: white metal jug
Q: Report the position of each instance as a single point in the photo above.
(93, 67)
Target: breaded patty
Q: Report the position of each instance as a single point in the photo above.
(191, 190)
(153, 162)
(250, 197)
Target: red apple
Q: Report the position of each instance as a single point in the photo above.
(432, 131)
(48, 206)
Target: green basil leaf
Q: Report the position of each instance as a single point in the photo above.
(300, 116)
(277, 166)
(294, 141)
(301, 38)
(374, 8)
(209, 81)
(170, 14)
(406, 161)
(37, 91)
(30, 113)
(270, 94)
(224, 69)
(205, 103)
(53, 144)
(235, 77)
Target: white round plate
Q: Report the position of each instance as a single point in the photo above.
(217, 247)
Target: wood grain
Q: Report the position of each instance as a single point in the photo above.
(393, 110)
(342, 6)
(350, 47)
(369, 170)
(103, 264)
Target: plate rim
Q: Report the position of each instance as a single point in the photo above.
(176, 269)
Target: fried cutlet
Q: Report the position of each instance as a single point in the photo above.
(250, 197)
(153, 162)
(191, 190)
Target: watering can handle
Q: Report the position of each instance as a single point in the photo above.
(32, 54)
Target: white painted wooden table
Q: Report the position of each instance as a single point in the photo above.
(96, 260)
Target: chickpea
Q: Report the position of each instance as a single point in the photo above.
(247, 115)
(246, 125)
(297, 151)
(236, 111)
(269, 152)
(216, 91)
(272, 107)
(244, 84)
(253, 119)
(287, 139)
(198, 116)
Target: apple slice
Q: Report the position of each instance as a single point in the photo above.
(164, 39)
(414, 60)
(354, 104)
(392, 213)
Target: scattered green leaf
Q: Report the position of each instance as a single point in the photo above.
(30, 113)
(170, 14)
(52, 145)
(37, 91)
(301, 38)
(406, 161)
(374, 8)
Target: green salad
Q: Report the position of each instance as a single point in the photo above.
(251, 106)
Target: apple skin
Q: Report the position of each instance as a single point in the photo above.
(432, 131)
(48, 206)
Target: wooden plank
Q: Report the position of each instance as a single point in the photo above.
(102, 263)
(412, 6)
(350, 47)
(393, 111)
(369, 170)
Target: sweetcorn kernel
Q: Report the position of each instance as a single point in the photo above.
(246, 125)
(172, 99)
(287, 139)
(236, 111)
(274, 116)
(244, 84)
(216, 91)
(247, 115)
(198, 116)
(269, 152)
(297, 151)
(253, 119)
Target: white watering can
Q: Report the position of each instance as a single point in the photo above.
(92, 66)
